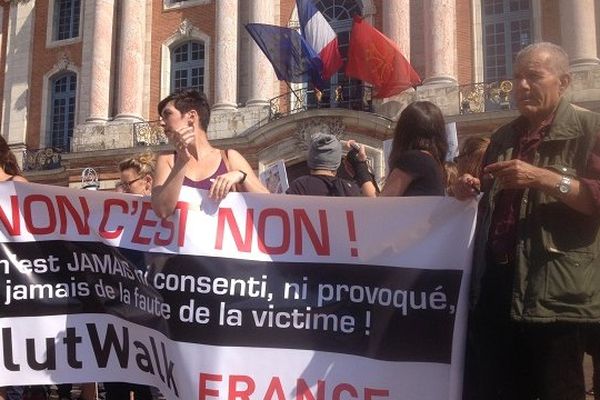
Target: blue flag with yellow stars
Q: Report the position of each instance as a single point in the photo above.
(293, 59)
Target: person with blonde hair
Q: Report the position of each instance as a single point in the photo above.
(137, 174)
(471, 155)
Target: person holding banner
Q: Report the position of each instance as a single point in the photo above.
(9, 168)
(9, 171)
(185, 116)
(535, 282)
(416, 161)
(137, 174)
(471, 154)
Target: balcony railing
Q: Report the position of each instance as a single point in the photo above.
(486, 97)
(356, 97)
(148, 133)
(41, 159)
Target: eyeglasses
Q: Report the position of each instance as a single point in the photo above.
(126, 186)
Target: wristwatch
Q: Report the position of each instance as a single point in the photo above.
(564, 186)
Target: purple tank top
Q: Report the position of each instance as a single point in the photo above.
(206, 183)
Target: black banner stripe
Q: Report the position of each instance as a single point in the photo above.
(386, 313)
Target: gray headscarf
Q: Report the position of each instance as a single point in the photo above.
(325, 152)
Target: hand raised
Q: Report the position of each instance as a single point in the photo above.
(181, 139)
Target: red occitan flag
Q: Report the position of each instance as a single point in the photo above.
(374, 58)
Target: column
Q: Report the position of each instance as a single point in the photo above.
(261, 71)
(440, 42)
(101, 61)
(226, 55)
(396, 24)
(18, 64)
(131, 59)
(578, 30)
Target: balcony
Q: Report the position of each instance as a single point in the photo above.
(356, 97)
(41, 159)
(148, 133)
(486, 97)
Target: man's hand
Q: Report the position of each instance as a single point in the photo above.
(466, 187)
(517, 174)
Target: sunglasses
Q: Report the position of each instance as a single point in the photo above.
(126, 186)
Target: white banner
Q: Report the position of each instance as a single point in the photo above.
(257, 297)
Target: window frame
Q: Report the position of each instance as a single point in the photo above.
(179, 4)
(51, 96)
(505, 19)
(52, 25)
(179, 37)
(189, 64)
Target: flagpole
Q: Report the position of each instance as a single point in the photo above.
(293, 91)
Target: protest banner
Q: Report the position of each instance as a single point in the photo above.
(256, 297)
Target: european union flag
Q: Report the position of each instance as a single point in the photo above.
(293, 59)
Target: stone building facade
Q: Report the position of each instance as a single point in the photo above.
(82, 77)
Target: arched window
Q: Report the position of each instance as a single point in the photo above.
(187, 66)
(63, 90)
(507, 28)
(339, 14)
(66, 19)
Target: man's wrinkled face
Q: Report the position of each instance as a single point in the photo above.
(538, 87)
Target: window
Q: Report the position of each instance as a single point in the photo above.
(339, 15)
(62, 110)
(177, 4)
(66, 19)
(187, 66)
(507, 28)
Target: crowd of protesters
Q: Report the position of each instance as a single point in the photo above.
(535, 291)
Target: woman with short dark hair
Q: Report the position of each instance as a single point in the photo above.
(195, 162)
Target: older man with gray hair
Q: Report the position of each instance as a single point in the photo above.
(536, 272)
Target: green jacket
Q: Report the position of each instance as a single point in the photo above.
(557, 269)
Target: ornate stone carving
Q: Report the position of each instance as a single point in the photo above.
(186, 27)
(64, 62)
(89, 179)
(308, 127)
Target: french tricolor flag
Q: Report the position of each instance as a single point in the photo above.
(322, 38)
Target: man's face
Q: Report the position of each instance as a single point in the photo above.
(538, 87)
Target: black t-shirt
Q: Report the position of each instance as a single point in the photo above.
(425, 171)
(319, 185)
